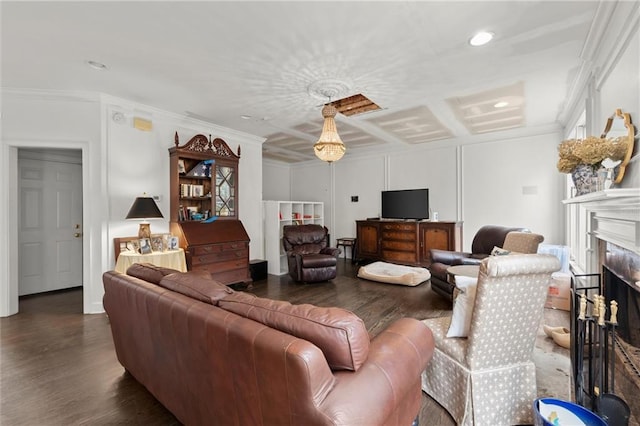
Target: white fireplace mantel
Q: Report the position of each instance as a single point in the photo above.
(612, 215)
(608, 199)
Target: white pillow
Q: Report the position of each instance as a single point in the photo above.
(463, 306)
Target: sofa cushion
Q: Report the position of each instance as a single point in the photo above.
(149, 272)
(340, 334)
(197, 285)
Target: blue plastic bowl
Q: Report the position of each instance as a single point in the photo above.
(588, 417)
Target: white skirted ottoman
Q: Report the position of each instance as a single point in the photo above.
(391, 273)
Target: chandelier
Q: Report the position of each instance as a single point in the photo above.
(329, 147)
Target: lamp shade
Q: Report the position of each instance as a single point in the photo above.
(144, 208)
(329, 147)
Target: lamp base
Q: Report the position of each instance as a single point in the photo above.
(144, 231)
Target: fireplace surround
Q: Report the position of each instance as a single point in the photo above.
(604, 235)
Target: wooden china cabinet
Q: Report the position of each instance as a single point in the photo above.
(204, 208)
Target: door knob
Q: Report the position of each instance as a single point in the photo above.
(77, 235)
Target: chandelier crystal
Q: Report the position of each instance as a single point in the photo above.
(329, 147)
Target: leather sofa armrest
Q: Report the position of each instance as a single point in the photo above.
(469, 261)
(448, 257)
(392, 372)
(335, 252)
(476, 259)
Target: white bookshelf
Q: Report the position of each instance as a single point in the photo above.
(277, 214)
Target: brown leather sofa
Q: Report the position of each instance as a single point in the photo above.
(308, 255)
(212, 355)
(487, 237)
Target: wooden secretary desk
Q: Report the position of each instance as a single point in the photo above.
(204, 208)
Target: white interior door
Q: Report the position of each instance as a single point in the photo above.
(49, 225)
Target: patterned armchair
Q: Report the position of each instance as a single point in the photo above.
(489, 377)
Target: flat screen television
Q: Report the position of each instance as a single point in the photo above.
(406, 204)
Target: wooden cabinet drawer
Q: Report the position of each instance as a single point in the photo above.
(399, 235)
(216, 248)
(225, 265)
(399, 256)
(399, 226)
(399, 245)
(220, 256)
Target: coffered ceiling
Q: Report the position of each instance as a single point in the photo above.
(266, 68)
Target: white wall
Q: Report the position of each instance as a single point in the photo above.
(619, 87)
(277, 181)
(436, 169)
(513, 183)
(361, 177)
(139, 162)
(53, 120)
(313, 181)
(119, 164)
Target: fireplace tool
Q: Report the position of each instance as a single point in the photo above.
(613, 409)
(579, 348)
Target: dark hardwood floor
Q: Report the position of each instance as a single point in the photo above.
(58, 366)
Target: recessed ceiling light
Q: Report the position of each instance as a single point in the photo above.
(481, 38)
(501, 104)
(245, 117)
(97, 65)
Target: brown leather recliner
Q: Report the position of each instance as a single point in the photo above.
(487, 237)
(308, 255)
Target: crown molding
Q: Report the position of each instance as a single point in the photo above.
(50, 95)
(593, 48)
(629, 27)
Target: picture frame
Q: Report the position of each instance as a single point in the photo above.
(131, 246)
(145, 245)
(174, 243)
(157, 243)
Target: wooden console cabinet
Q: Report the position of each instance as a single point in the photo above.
(407, 243)
(204, 184)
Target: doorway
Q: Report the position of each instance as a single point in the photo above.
(49, 220)
(92, 236)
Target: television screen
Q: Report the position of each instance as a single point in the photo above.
(405, 204)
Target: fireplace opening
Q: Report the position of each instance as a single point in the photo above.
(627, 296)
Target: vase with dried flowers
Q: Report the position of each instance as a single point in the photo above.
(583, 158)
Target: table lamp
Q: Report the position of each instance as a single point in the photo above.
(144, 208)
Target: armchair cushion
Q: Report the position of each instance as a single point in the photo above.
(305, 249)
(463, 306)
(340, 334)
(317, 260)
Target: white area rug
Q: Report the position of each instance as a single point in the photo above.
(391, 273)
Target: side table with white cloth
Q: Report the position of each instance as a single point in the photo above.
(173, 259)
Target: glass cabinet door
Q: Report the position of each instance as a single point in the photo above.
(225, 204)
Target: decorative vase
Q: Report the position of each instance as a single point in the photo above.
(584, 177)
